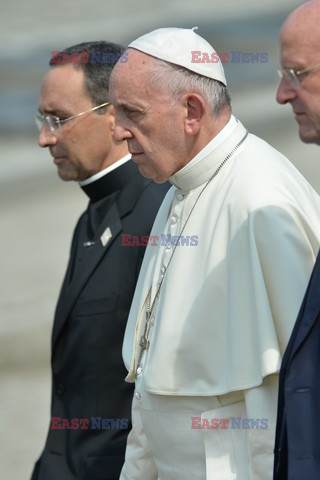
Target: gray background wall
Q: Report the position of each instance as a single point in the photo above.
(38, 211)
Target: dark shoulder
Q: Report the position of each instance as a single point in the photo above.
(150, 198)
(143, 190)
(157, 191)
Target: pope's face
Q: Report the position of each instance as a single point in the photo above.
(150, 121)
(82, 146)
(299, 43)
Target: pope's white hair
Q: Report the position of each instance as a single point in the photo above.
(178, 81)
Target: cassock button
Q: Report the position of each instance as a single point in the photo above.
(137, 395)
(139, 371)
(173, 220)
(162, 271)
(180, 196)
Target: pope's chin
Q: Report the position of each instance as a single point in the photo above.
(309, 134)
(151, 174)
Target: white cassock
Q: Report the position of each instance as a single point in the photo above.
(224, 313)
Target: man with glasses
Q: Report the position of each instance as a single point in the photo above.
(300, 71)
(91, 403)
(297, 450)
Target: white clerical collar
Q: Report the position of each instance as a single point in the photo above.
(214, 143)
(103, 172)
(201, 168)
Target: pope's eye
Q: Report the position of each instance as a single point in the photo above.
(129, 110)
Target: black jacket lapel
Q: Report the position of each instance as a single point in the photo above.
(91, 257)
(309, 312)
(123, 204)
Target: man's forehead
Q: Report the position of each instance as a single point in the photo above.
(301, 26)
(135, 62)
(64, 78)
(62, 85)
(130, 74)
(300, 37)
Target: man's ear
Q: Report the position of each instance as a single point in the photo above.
(196, 110)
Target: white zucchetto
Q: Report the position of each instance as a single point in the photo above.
(175, 45)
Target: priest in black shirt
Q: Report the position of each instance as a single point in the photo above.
(91, 402)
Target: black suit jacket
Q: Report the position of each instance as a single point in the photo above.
(297, 449)
(87, 368)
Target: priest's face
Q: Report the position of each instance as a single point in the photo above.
(148, 118)
(299, 44)
(82, 146)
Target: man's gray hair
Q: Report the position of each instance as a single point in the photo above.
(178, 80)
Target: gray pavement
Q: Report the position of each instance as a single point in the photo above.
(38, 211)
(37, 217)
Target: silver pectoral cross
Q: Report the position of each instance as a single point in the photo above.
(144, 343)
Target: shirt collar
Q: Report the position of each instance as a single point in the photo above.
(104, 172)
(110, 182)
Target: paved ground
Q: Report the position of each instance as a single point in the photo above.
(37, 215)
(38, 212)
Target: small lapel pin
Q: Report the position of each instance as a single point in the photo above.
(106, 236)
(88, 244)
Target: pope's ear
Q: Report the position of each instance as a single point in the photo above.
(110, 115)
(196, 109)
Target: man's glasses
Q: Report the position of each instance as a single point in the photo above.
(293, 76)
(55, 123)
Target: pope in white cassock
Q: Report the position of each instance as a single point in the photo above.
(210, 317)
